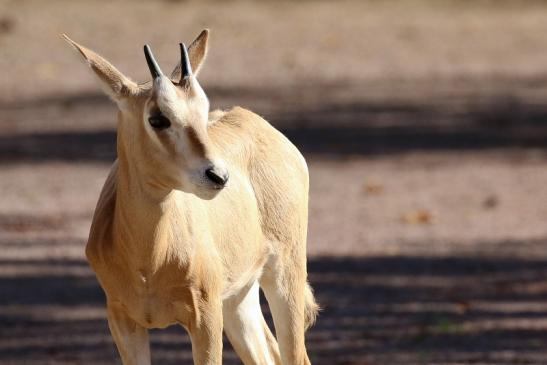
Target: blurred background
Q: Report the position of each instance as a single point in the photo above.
(424, 124)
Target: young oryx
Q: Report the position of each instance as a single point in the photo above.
(200, 210)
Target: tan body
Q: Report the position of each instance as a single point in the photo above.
(168, 256)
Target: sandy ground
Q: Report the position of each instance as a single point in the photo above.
(423, 124)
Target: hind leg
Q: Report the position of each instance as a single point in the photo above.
(247, 330)
(292, 306)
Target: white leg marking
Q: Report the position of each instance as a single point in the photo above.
(246, 329)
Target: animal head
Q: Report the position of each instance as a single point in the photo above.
(162, 128)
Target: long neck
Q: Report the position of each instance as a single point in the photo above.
(144, 218)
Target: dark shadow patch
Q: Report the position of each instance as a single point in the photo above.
(444, 119)
(395, 310)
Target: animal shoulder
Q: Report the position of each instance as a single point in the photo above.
(239, 126)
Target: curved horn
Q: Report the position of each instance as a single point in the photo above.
(152, 64)
(185, 67)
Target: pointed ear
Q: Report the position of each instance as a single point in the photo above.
(114, 83)
(197, 52)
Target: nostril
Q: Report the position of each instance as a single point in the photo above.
(215, 177)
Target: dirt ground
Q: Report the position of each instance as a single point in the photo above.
(424, 124)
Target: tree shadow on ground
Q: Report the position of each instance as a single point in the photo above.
(332, 128)
(376, 310)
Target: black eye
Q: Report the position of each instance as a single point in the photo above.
(159, 121)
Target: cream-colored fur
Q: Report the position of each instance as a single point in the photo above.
(168, 247)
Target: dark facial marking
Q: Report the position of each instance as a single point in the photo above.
(195, 141)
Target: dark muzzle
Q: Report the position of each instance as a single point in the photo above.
(215, 177)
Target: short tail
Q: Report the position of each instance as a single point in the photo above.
(311, 308)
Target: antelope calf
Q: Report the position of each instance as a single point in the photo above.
(199, 211)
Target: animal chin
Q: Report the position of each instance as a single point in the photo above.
(211, 188)
(205, 189)
(207, 193)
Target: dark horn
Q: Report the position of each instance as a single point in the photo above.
(152, 64)
(185, 67)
